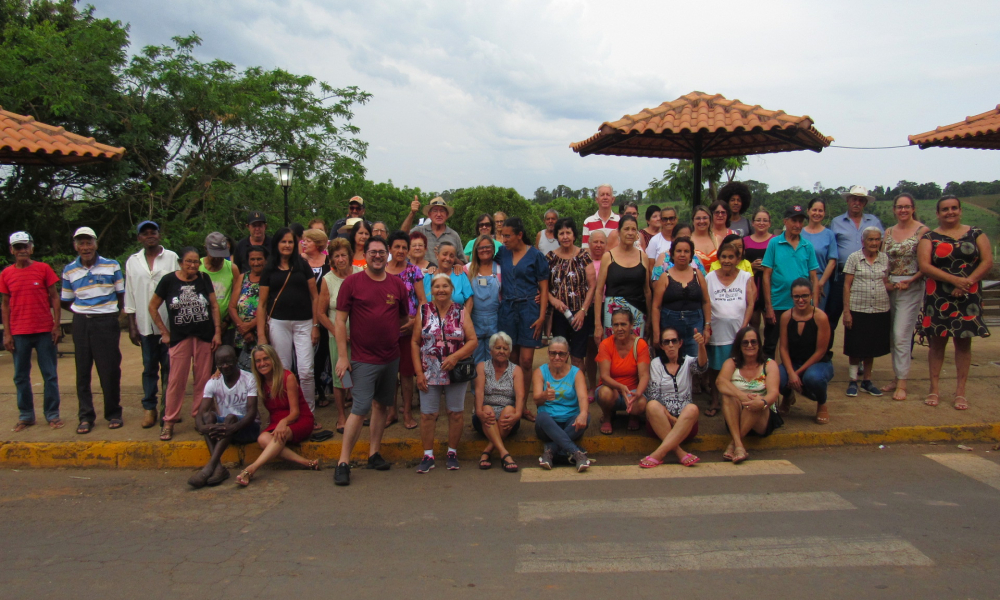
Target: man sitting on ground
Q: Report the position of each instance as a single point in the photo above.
(227, 415)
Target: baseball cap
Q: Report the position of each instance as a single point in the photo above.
(255, 216)
(357, 199)
(144, 224)
(21, 237)
(85, 232)
(217, 245)
(795, 210)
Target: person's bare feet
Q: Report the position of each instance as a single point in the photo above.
(900, 394)
(890, 387)
(409, 422)
(728, 454)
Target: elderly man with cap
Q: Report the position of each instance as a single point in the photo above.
(93, 288)
(355, 209)
(788, 257)
(848, 228)
(222, 272)
(257, 226)
(30, 308)
(436, 229)
(143, 271)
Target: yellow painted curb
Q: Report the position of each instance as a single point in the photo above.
(160, 455)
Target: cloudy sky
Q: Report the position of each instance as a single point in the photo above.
(475, 93)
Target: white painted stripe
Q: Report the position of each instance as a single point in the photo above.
(696, 555)
(719, 469)
(664, 507)
(976, 467)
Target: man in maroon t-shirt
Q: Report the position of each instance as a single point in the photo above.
(376, 304)
(30, 310)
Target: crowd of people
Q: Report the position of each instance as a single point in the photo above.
(635, 320)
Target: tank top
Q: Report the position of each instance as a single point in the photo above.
(679, 297)
(498, 393)
(566, 406)
(627, 282)
(802, 345)
(646, 236)
(757, 385)
(222, 281)
(546, 245)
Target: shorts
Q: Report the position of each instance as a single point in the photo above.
(373, 383)
(247, 435)
(454, 398)
(478, 425)
(718, 355)
(577, 339)
(774, 421)
(620, 403)
(406, 357)
(515, 319)
(690, 436)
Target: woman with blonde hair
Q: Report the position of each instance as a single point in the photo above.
(291, 421)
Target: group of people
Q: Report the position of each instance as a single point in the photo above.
(634, 319)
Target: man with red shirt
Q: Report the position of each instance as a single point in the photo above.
(30, 308)
(375, 302)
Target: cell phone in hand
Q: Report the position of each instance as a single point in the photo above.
(346, 380)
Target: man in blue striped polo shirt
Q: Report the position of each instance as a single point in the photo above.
(94, 289)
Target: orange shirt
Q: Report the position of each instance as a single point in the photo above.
(624, 370)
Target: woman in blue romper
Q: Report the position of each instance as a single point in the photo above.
(484, 274)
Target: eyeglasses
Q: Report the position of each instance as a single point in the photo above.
(377, 253)
(721, 212)
(749, 343)
(670, 342)
(801, 296)
(902, 206)
(762, 220)
(481, 248)
(558, 354)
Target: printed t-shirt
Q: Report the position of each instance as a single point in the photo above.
(375, 308)
(232, 401)
(624, 370)
(188, 307)
(28, 289)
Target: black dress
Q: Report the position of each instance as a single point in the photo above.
(953, 316)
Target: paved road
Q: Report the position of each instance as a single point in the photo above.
(902, 522)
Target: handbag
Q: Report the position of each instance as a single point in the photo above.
(465, 370)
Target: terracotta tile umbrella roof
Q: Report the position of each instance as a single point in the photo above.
(980, 131)
(25, 141)
(700, 125)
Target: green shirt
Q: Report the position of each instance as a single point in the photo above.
(222, 281)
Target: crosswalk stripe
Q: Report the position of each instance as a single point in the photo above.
(696, 555)
(976, 467)
(756, 467)
(662, 507)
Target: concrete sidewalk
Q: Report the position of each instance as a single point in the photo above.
(861, 420)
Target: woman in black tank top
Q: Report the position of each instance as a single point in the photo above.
(620, 285)
(804, 352)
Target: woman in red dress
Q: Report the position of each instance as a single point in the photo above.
(291, 420)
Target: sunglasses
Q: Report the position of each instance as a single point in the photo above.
(558, 354)
(670, 342)
(749, 343)
(668, 219)
(481, 225)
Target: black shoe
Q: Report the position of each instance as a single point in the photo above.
(375, 461)
(342, 476)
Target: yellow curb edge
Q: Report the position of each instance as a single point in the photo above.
(161, 455)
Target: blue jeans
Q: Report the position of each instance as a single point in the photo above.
(685, 322)
(155, 367)
(814, 380)
(559, 436)
(46, 350)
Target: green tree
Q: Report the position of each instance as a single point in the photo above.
(469, 203)
(678, 180)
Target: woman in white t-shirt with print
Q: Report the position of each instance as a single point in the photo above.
(732, 293)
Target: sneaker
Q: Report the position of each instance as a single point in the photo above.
(375, 461)
(581, 460)
(426, 464)
(852, 389)
(545, 460)
(452, 462)
(342, 475)
(870, 387)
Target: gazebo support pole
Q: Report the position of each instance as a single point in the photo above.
(696, 191)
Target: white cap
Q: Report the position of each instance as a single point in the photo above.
(21, 237)
(87, 231)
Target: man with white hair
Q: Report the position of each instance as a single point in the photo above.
(848, 228)
(604, 219)
(30, 305)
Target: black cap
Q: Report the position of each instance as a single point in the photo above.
(254, 216)
(795, 210)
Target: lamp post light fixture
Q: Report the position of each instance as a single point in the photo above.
(285, 178)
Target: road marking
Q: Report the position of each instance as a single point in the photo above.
(976, 467)
(683, 506)
(757, 467)
(697, 555)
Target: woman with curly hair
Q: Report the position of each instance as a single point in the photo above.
(737, 196)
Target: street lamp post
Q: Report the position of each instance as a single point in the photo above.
(285, 178)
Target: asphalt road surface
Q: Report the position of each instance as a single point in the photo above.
(900, 522)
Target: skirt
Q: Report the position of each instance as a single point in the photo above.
(869, 336)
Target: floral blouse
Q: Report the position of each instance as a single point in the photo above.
(246, 305)
(410, 275)
(568, 279)
(902, 255)
(440, 337)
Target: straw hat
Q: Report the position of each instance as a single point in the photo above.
(439, 201)
(858, 190)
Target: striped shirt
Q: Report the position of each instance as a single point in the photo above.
(595, 223)
(93, 291)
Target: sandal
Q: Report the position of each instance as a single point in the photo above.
(84, 427)
(485, 464)
(649, 462)
(244, 478)
(324, 402)
(314, 465)
(740, 455)
(606, 428)
(690, 460)
(728, 454)
(711, 412)
(633, 424)
(508, 467)
(411, 425)
(116, 424)
(822, 415)
(56, 424)
(932, 400)
(900, 394)
(22, 425)
(167, 433)
(961, 403)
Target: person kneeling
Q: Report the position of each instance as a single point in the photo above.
(291, 421)
(623, 360)
(560, 392)
(227, 415)
(670, 415)
(805, 360)
(749, 384)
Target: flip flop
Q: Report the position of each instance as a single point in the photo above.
(728, 454)
(22, 425)
(740, 455)
(391, 422)
(649, 462)
(961, 403)
(896, 396)
(56, 424)
(690, 460)
(932, 400)
(633, 424)
(414, 426)
(606, 428)
(711, 412)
